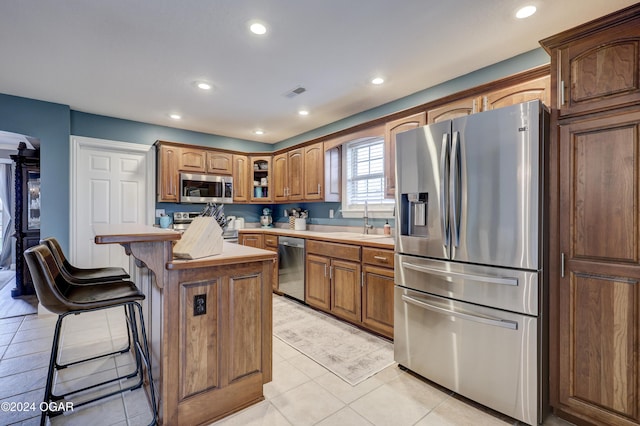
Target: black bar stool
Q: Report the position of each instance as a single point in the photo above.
(64, 298)
(81, 276)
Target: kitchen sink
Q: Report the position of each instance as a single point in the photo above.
(355, 235)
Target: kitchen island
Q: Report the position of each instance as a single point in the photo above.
(209, 322)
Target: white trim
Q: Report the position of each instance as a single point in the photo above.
(78, 142)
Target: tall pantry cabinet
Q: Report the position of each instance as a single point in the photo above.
(594, 207)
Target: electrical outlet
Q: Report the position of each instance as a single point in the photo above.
(330, 213)
(199, 304)
(159, 212)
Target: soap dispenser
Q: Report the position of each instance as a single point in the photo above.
(387, 228)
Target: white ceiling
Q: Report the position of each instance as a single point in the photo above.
(138, 59)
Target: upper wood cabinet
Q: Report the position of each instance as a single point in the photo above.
(240, 178)
(168, 179)
(452, 110)
(192, 160)
(219, 163)
(391, 129)
(260, 179)
(332, 173)
(538, 88)
(288, 175)
(313, 172)
(598, 64)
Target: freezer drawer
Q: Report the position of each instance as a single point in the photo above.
(509, 289)
(484, 354)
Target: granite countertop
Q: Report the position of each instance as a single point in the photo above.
(370, 240)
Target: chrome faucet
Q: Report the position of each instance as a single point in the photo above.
(366, 219)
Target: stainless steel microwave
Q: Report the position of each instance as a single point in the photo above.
(196, 188)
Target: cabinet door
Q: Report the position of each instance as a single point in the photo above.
(524, 92)
(391, 129)
(452, 110)
(252, 240)
(332, 173)
(271, 244)
(599, 286)
(313, 172)
(240, 178)
(280, 177)
(317, 285)
(192, 160)
(346, 290)
(377, 299)
(219, 163)
(168, 177)
(296, 174)
(601, 70)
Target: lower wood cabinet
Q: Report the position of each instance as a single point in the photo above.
(252, 240)
(262, 241)
(353, 283)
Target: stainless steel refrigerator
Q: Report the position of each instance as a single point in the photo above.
(469, 295)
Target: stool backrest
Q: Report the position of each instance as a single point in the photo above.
(57, 252)
(50, 285)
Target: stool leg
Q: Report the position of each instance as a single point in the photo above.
(48, 389)
(146, 356)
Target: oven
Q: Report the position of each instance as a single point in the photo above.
(195, 188)
(182, 220)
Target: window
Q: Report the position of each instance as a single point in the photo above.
(364, 179)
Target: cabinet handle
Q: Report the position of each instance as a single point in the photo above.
(562, 93)
(325, 270)
(361, 279)
(561, 265)
(330, 272)
(485, 103)
(380, 258)
(318, 189)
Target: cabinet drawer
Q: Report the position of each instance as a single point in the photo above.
(335, 250)
(271, 241)
(378, 257)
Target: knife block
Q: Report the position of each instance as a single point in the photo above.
(202, 238)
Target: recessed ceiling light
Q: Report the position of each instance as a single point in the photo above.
(258, 132)
(258, 28)
(377, 80)
(175, 116)
(525, 12)
(203, 85)
(303, 112)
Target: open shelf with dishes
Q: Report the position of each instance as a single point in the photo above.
(260, 171)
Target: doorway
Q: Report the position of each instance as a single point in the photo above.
(112, 182)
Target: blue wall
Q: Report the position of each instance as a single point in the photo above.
(53, 124)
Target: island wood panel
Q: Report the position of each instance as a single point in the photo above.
(199, 334)
(244, 326)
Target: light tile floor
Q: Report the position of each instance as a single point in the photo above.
(302, 392)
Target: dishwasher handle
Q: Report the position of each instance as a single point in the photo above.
(291, 242)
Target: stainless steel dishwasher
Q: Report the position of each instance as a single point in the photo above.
(291, 267)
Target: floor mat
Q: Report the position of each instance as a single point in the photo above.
(350, 353)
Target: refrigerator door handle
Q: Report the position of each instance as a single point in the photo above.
(444, 188)
(454, 189)
(497, 322)
(471, 277)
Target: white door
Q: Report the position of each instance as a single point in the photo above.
(111, 182)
